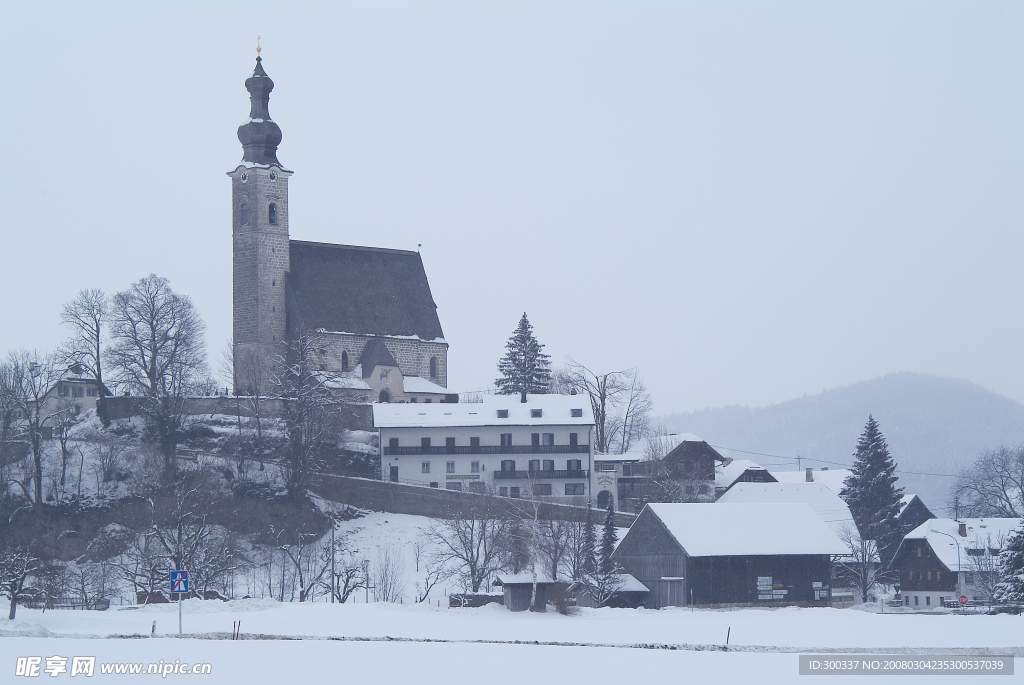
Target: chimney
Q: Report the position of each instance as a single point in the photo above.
(810, 476)
(522, 397)
(963, 530)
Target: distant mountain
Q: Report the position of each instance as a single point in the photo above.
(932, 424)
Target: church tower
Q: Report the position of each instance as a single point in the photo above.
(259, 225)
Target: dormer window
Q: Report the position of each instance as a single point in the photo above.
(577, 413)
(503, 413)
(272, 214)
(244, 211)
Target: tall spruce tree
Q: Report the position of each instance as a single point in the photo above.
(589, 542)
(872, 494)
(609, 536)
(1011, 568)
(524, 367)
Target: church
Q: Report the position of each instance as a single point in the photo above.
(370, 309)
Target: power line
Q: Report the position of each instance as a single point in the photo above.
(825, 461)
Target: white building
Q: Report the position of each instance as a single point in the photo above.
(508, 445)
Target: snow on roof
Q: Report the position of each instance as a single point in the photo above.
(667, 443)
(826, 504)
(832, 478)
(943, 535)
(726, 474)
(904, 503)
(626, 583)
(711, 530)
(554, 410)
(417, 384)
(524, 577)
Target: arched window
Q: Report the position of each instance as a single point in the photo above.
(603, 499)
(433, 367)
(245, 213)
(272, 214)
(384, 396)
(344, 361)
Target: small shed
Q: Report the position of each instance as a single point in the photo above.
(629, 593)
(518, 588)
(730, 554)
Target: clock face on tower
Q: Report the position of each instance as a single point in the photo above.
(273, 176)
(245, 177)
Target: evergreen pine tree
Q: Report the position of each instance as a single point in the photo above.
(1011, 569)
(872, 494)
(524, 367)
(608, 538)
(589, 542)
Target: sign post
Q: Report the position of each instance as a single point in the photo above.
(179, 584)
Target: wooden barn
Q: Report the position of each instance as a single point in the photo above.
(730, 554)
(518, 588)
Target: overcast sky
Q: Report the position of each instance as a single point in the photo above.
(748, 201)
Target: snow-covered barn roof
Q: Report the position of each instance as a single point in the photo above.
(943, 536)
(524, 578)
(826, 504)
(712, 530)
(832, 478)
(554, 410)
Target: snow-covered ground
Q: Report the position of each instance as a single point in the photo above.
(250, 663)
(465, 645)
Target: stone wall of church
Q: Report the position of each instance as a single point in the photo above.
(260, 258)
(413, 356)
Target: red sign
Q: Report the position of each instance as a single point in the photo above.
(963, 600)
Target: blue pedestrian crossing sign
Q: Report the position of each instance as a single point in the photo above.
(179, 581)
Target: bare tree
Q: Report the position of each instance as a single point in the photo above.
(310, 564)
(605, 391)
(983, 560)
(388, 575)
(344, 570)
(631, 421)
(554, 544)
(470, 540)
(33, 377)
(157, 352)
(993, 486)
(86, 316)
(17, 565)
(861, 565)
(316, 412)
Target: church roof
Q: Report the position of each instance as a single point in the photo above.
(375, 354)
(360, 290)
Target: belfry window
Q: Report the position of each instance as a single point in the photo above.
(344, 361)
(272, 214)
(245, 214)
(433, 367)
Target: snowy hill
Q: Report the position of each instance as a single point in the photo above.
(932, 425)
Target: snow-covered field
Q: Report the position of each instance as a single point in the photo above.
(466, 643)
